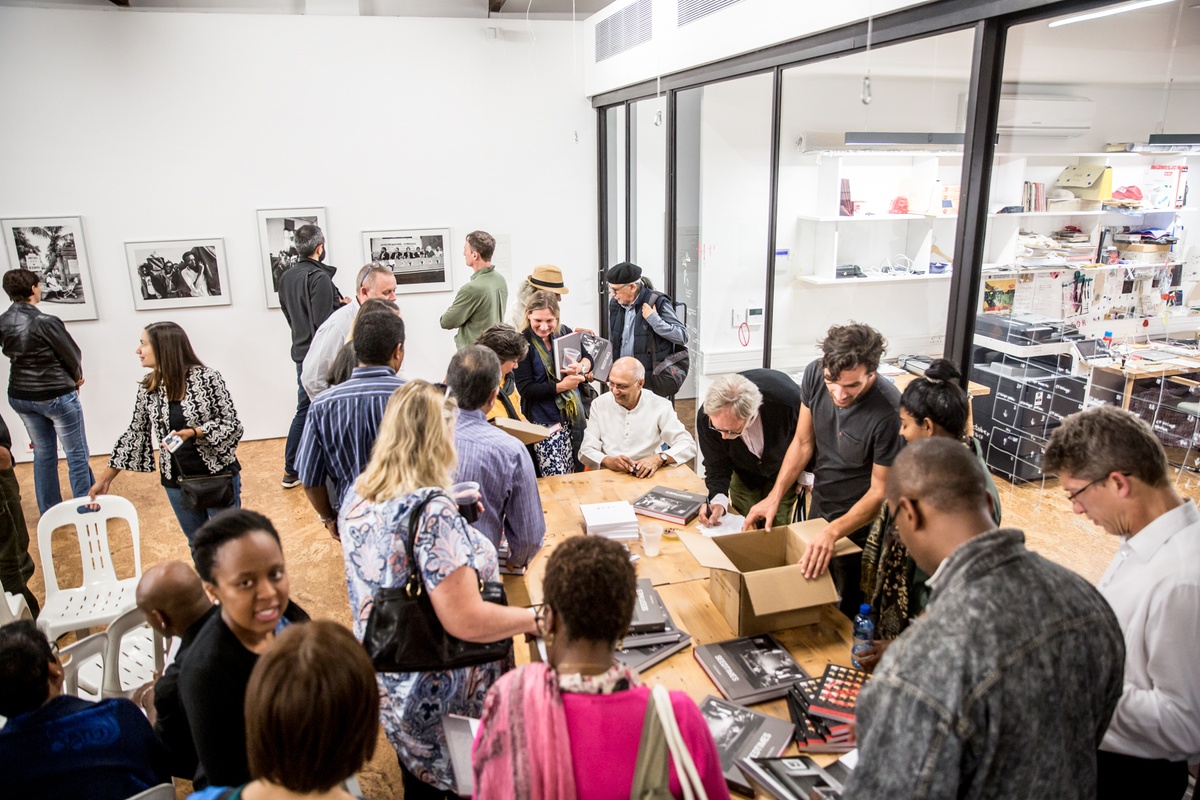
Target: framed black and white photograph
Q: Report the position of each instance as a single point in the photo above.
(417, 258)
(277, 237)
(178, 274)
(53, 248)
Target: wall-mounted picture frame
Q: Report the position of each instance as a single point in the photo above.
(276, 236)
(53, 247)
(179, 273)
(416, 257)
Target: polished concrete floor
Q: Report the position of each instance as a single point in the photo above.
(315, 560)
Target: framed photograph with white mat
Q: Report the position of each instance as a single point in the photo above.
(53, 248)
(416, 257)
(277, 242)
(181, 273)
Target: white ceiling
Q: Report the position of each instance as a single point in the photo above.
(535, 9)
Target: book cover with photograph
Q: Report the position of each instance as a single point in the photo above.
(742, 733)
(648, 612)
(794, 778)
(750, 669)
(672, 505)
(838, 694)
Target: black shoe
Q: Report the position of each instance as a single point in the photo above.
(289, 481)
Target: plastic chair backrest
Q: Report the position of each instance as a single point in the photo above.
(164, 791)
(92, 530)
(79, 653)
(12, 608)
(140, 665)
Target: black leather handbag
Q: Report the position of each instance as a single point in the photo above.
(202, 492)
(404, 633)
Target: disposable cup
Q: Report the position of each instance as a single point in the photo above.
(651, 539)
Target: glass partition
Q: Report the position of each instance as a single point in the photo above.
(869, 171)
(648, 189)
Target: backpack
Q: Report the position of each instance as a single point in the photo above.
(667, 376)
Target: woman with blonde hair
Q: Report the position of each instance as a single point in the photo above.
(409, 473)
(544, 399)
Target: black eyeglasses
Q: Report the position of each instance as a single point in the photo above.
(730, 434)
(1071, 497)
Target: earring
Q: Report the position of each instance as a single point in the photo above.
(549, 638)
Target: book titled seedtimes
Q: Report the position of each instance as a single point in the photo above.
(671, 505)
(648, 612)
(751, 669)
(741, 733)
(838, 693)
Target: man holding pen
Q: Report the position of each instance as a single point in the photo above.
(744, 428)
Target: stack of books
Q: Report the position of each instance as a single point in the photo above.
(1033, 196)
(816, 734)
(668, 504)
(653, 635)
(837, 695)
(795, 778)
(751, 669)
(610, 520)
(741, 733)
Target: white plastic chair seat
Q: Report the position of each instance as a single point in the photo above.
(101, 597)
(13, 608)
(74, 656)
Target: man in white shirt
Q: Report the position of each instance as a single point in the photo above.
(1114, 470)
(628, 427)
(374, 280)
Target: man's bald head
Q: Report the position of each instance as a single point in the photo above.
(625, 380)
(941, 473)
(171, 597)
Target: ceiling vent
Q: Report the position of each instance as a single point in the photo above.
(692, 10)
(1058, 116)
(625, 29)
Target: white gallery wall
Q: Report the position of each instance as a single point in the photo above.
(158, 126)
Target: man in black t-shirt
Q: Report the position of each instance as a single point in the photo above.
(848, 434)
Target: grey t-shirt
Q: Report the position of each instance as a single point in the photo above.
(849, 441)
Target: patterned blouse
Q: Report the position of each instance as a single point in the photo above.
(412, 704)
(206, 405)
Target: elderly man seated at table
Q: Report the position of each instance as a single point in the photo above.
(631, 430)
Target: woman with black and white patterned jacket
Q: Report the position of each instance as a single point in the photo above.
(179, 397)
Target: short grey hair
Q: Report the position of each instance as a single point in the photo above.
(637, 368)
(735, 392)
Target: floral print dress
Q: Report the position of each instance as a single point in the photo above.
(412, 704)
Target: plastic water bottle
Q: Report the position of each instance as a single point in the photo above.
(864, 633)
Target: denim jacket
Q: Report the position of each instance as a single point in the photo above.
(1003, 689)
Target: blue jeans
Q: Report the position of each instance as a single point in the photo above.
(50, 422)
(292, 447)
(190, 520)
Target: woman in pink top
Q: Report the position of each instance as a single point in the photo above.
(570, 729)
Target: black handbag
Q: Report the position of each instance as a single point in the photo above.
(202, 492)
(404, 633)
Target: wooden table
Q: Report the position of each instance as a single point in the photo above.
(681, 582)
(1135, 370)
(561, 497)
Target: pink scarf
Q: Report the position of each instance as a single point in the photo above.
(523, 751)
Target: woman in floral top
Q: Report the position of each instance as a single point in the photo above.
(413, 459)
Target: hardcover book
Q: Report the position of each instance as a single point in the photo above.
(742, 733)
(526, 432)
(668, 635)
(798, 778)
(643, 658)
(668, 504)
(751, 669)
(648, 612)
(614, 520)
(838, 694)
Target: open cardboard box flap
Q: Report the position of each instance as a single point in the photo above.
(773, 591)
(706, 550)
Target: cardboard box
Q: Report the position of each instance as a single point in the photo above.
(756, 580)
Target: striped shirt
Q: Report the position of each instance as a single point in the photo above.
(501, 466)
(341, 428)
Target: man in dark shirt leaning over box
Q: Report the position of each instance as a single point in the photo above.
(1004, 687)
(848, 433)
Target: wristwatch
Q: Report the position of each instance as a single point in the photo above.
(663, 457)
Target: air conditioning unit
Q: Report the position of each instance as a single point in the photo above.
(1045, 115)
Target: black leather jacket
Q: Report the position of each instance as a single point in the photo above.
(46, 361)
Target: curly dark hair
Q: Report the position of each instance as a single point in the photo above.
(233, 523)
(848, 346)
(590, 584)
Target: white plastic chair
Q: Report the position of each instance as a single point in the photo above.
(164, 791)
(132, 654)
(13, 608)
(77, 655)
(101, 597)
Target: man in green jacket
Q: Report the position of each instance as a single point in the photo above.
(480, 303)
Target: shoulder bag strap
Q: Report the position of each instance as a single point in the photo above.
(660, 736)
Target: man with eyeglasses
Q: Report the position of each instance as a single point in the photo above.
(642, 324)
(374, 280)
(744, 428)
(848, 435)
(631, 430)
(1114, 470)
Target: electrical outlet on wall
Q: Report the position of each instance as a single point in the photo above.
(937, 341)
(738, 316)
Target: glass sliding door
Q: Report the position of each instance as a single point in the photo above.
(648, 189)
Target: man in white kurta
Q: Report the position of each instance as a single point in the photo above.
(631, 430)
(1115, 471)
